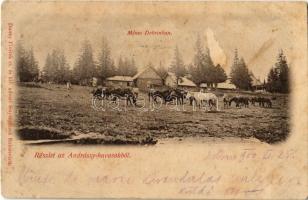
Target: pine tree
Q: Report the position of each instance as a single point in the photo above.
(234, 67)
(196, 69)
(245, 77)
(219, 75)
(63, 70)
(209, 69)
(32, 65)
(85, 67)
(48, 68)
(21, 62)
(56, 67)
(203, 69)
(236, 59)
(162, 72)
(198, 59)
(26, 64)
(278, 77)
(177, 65)
(240, 75)
(105, 63)
(126, 67)
(283, 69)
(132, 67)
(121, 67)
(113, 67)
(272, 81)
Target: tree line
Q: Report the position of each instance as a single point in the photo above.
(26, 64)
(241, 77)
(278, 76)
(201, 70)
(57, 69)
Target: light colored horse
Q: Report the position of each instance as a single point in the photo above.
(200, 97)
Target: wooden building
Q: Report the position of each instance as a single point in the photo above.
(183, 83)
(227, 85)
(119, 81)
(147, 78)
(257, 85)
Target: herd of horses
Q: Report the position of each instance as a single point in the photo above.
(206, 100)
(240, 101)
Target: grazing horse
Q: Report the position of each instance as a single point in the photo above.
(267, 102)
(240, 101)
(164, 95)
(168, 95)
(112, 94)
(226, 100)
(264, 102)
(253, 100)
(199, 98)
(127, 93)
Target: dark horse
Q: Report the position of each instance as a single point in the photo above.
(240, 101)
(114, 94)
(253, 100)
(264, 102)
(180, 95)
(226, 99)
(168, 95)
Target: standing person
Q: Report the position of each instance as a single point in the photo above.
(68, 85)
(135, 91)
(94, 82)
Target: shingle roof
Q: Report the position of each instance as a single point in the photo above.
(143, 70)
(120, 78)
(226, 85)
(183, 81)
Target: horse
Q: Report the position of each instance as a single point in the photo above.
(168, 95)
(253, 100)
(154, 94)
(114, 94)
(240, 101)
(127, 93)
(199, 97)
(267, 102)
(179, 94)
(264, 102)
(226, 100)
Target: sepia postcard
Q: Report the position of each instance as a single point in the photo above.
(154, 100)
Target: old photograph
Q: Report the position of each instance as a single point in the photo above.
(154, 100)
(88, 81)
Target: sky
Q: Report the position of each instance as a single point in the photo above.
(257, 30)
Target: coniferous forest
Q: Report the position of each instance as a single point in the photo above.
(202, 69)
